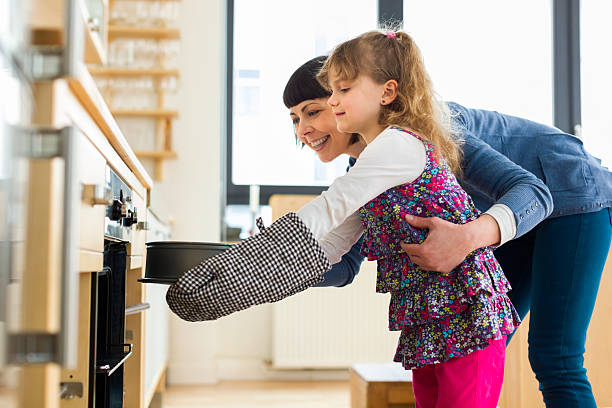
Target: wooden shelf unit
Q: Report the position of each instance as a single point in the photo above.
(143, 32)
(163, 117)
(160, 113)
(132, 72)
(168, 154)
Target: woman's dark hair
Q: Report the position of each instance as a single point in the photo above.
(303, 85)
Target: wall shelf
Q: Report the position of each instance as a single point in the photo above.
(162, 117)
(143, 32)
(156, 72)
(157, 154)
(161, 113)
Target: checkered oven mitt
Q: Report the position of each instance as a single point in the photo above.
(280, 261)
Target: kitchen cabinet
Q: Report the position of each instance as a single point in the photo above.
(46, 19)
(99, 146)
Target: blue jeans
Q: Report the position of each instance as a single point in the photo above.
(555, 271)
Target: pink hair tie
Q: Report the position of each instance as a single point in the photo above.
(391, 34)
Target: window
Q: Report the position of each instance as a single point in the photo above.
(487, 54)
(596, 83)
(269, 44)
(482, 54)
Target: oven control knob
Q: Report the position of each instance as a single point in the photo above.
(131, 219)
(117, 211)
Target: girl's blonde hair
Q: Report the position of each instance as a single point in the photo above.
(392, 55)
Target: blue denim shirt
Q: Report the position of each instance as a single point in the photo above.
(559, 170)
(577, 180)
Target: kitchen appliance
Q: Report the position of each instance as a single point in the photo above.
(168, 260)
(108, 350)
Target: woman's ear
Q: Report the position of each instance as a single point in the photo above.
(389, 92)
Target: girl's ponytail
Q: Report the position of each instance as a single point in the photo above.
(393, 55)
(418, 106)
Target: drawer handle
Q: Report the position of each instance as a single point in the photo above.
(137, 308)
(97, 194)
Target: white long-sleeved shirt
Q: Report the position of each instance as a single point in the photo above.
(391, 159)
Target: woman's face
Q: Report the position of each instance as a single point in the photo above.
(315, 126)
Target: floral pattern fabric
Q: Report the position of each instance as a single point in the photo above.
(440, 316)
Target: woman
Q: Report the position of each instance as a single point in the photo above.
(553, 259)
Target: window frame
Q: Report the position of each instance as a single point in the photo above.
(566, 90)
(236, 194)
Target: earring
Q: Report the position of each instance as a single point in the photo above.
(383, 101)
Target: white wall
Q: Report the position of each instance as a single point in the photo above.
(189, 194)
(237, 346)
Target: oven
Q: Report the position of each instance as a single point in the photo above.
(108, 349)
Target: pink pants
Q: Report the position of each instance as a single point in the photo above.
(473, 381)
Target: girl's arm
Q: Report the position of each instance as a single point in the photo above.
(393, 158)
(340, 240)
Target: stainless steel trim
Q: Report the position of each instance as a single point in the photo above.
(73, 53)
(69, 390)
(137, 308)
(97, 194)
(68, 336)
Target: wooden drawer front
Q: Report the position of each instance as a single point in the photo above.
(80, 373)
(138, 235)
(90, 169)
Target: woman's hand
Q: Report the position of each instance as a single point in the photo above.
(447, 244)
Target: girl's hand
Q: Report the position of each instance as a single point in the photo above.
(447, 244)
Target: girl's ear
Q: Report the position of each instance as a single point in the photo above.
(389, 92)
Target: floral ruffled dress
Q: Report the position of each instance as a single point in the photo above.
(440, 316)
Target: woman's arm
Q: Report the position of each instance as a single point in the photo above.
(487, 173)
(447, 244)
(491, 174)
(343, 272)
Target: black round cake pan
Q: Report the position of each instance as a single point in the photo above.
(168, 260)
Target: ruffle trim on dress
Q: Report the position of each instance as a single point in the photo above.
(479, 271)
(430, 296)
(400, 317)
(457, 335)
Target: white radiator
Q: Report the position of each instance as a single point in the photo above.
(334, 327)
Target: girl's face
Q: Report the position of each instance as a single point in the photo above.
(356, 104)
(315, 126)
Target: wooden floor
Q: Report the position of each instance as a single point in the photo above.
(255, 394)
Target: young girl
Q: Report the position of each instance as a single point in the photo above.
(453, 327)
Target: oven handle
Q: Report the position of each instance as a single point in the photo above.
(68, 336)
(137, 308)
